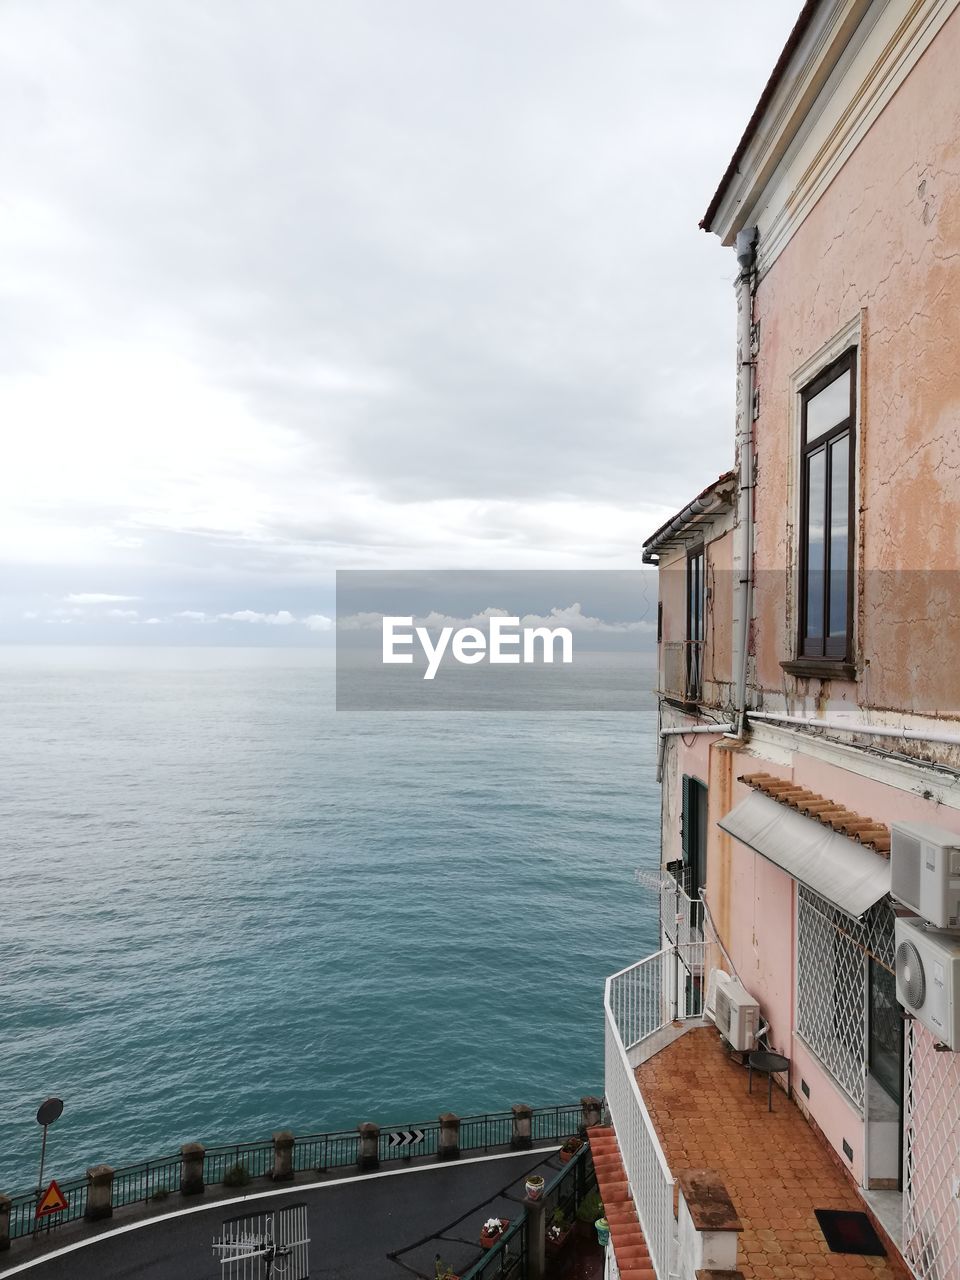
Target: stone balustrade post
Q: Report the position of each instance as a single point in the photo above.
(369, 1157)
(191, 1169)
(5, 1204)
(536, 1238)
(591, 1109)
(99, 1193)
(522, 1139)
(283, 1141)
(708, 1228)
(448, 1144)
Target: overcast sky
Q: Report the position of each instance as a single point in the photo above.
(298, 285)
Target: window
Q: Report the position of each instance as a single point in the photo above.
(696, 608)
(693, 836)
(826, 513)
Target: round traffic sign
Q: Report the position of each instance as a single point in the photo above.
(49, 1111)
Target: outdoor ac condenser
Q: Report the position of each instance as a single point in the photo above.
(925, 871)
(737, 1014)
(928, 978)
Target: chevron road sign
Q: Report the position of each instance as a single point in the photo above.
(405, 1139)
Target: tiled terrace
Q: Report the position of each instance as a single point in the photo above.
(775, 1167)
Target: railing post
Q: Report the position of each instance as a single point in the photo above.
(369, 1157)
(283, 1156)
(522, 1138)
(191, 1169)
(536, 1238)
(448, 1143)
(99, 1193)
(590, 1113)
(5, 1204)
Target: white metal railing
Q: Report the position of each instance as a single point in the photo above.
(642, 997)
(637, 1002)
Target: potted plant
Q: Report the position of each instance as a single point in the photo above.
(493, 1229)
(570, 1149)
(442, 1271)
(589, 1210)
(237, 1176)
(534, 1186)
(558, 1232)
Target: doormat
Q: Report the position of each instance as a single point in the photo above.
(848, 1232)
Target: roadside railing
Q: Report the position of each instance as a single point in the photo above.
(240, 1164)
(510, 1256)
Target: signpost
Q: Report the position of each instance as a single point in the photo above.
(52, 1201)
(48, 1112)
(405, 1139)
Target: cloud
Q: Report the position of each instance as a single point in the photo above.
(570, 616)
(123, 613)
(152, 622)
(476, 335)
(191, 615)
(282, 618)
(318, 622)
(575, 619)
(29, 615)
(96, 597)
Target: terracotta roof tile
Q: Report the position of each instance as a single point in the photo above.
(866, 831)
(618, 1207)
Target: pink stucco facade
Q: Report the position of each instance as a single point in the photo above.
(858, 256)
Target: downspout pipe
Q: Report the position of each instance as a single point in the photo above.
(746, 258)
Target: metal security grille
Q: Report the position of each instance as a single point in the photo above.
(832, 954)
(931, 1148)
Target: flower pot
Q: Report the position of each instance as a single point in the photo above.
(556, 1243)
(489, 1238)
(566, 1156)
(603, 1232)
(534, 1186)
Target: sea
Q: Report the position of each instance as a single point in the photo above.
(227, 908)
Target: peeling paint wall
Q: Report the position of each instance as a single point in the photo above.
(882, 243)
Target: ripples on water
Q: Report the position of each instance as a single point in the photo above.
(227, 909)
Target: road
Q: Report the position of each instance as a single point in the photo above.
(354, 1226)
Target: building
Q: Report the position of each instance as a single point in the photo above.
(809, 686)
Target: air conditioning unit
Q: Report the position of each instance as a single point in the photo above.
(928, 978)
(737, 1014)
(925, 871)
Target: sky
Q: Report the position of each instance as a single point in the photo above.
(292, 286)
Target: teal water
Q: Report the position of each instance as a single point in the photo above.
(226, 908)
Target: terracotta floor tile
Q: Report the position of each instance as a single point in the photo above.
(774, 1166)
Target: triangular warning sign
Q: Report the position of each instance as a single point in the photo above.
(52, 1201)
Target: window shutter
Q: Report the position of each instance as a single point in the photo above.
(687, 821)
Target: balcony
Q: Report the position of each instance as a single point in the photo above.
(678, 1101)
(681, 670)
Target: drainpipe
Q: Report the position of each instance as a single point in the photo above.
(746, 257)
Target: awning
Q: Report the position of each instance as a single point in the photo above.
(836, 867)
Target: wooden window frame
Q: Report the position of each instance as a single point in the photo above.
(840, 660)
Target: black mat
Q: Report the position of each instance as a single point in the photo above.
(848, 1232)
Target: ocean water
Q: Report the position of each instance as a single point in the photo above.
(226, 908)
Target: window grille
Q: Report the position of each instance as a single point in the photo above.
(832, 953)
(931, 1147)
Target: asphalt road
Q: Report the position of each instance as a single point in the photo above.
(353, 1227)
